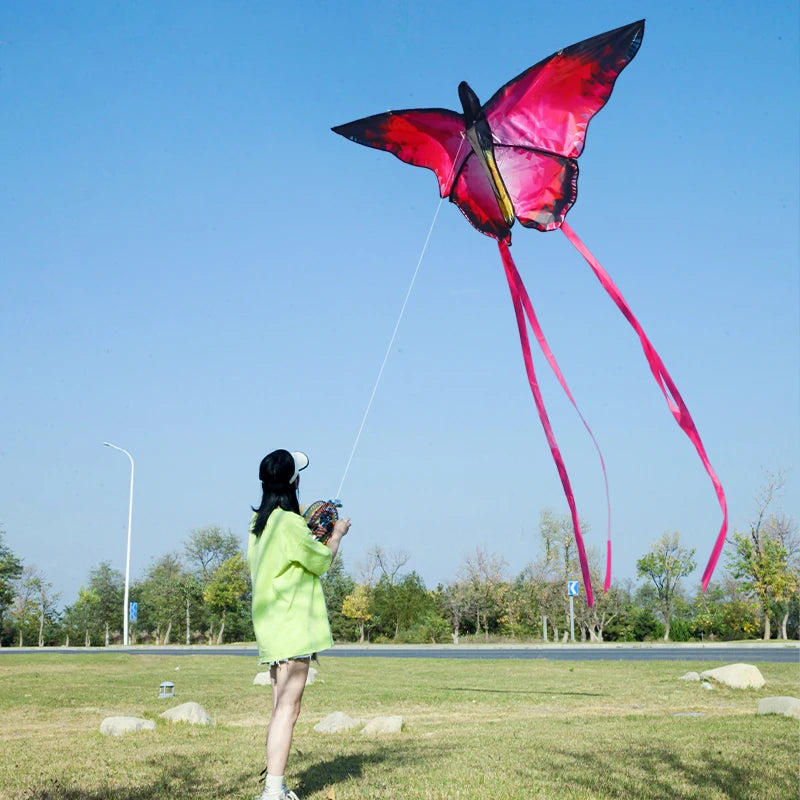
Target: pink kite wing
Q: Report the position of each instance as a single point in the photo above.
(542, 186)
(424, 137)
(549, 106)
(473, 194)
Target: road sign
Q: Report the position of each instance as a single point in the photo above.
(134, 611)
(572, 588)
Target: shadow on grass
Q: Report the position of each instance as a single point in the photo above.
(176, 782)
(660, 773)
(549, 693)
(335, 770)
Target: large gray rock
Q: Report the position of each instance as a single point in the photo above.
(338, 721)
(192, 713)
(737, 676)
(788, 706)
(381, 725)
(117, 726)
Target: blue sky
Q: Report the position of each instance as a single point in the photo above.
(196, 269)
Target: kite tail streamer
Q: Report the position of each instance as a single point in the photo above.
(668, 389)
(512, 274)
(522, 304)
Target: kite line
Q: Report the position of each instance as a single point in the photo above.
(394, 332)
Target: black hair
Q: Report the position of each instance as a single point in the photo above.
(276, 471)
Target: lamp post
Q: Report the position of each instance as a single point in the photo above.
(128, 553)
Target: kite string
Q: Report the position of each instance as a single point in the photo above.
(396, 328)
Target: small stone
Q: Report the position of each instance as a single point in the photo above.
(117, 726)
(688, 714)
(707, 686)
(690, 676)
(192, 713)
(788, 706)
(737, 676)
(381, 725)
(312, 676)
(338, 721)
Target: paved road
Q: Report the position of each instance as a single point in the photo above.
(728, 653)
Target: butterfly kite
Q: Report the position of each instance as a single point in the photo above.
(515, 158)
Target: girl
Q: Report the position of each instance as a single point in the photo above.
(289, 614)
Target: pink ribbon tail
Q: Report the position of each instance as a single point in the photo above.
(521, 301)
(513, 274)
(674, 400)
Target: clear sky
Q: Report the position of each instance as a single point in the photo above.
(196, 269)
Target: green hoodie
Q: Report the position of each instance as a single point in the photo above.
(289, 613)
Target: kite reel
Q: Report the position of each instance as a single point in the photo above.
(320, 517)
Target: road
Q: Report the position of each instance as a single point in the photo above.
(736, 652)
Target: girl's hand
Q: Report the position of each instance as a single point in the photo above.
(341, 526)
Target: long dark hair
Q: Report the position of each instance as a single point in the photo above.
(275, 473)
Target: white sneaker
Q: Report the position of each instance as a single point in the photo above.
(284, 793)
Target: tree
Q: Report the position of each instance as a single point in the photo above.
(336, 586)
(207, 548)
(484, 574)
(10, 571)
(454, 601)
(396, 606)
(84, 616)
(161, 602)
(46, 600)
(765, 557)
(356, 606)
(109, 586)
(224, 592)
(383, 563)
(191, 592)
(665, 564)
(26, 602)
(559, 565)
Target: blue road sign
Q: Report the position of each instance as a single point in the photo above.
(134, 611)
(572, 588)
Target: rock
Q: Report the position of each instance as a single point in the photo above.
(192, 713)
(688, 714)
(707, 686)
(338, 721)
(312, 676)
(737, 676)
(788, 706)
(690, 676)
(380, 725)
(117, 726)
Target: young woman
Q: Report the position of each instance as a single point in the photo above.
(289, 613)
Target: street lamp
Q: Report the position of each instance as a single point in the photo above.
(128, 554)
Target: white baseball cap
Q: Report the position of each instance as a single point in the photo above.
(300, 463)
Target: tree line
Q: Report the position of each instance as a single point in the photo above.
(202, 594)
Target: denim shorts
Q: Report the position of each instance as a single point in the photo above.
(309, 656)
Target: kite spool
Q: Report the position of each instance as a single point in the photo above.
(321, 517)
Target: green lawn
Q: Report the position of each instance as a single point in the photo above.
(473, 729)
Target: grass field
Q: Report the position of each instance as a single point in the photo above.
(473, 729)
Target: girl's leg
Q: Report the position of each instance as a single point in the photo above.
(288, 682)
